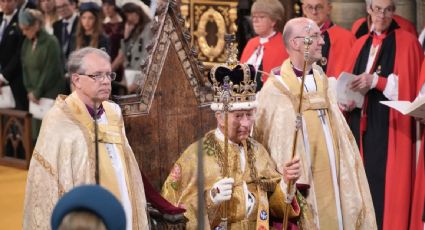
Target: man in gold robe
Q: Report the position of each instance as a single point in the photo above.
(251, 171)
(332, 180)
(65, 154)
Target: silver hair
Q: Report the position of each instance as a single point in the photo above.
(369, 2)
(76, 58)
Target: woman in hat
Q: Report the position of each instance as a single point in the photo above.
(41, 62)
(266, 51)
(136, 35)
(89, 29)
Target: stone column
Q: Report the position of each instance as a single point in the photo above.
(345, 12)
(420, 6)
(407, 9)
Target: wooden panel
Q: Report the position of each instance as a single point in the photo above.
(173, 123)
(15, 142)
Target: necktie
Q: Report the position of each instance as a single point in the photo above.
(65, 36)
(3, 28)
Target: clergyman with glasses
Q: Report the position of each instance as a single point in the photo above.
(337, 39)
(386, 64)
(65, 154)
(363, 25)
(332, 187)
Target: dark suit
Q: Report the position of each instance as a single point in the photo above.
(10, 61)
(58, 30)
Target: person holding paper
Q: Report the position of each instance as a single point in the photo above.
(337, 39)
(265, 51)
(386, 65)
(65, 154)
(333, 179)
(253, 188)
(41, 63)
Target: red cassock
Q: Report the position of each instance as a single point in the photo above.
(407, 57)
(341, 41)
(274, 52)
(416, 221)
(361, 24)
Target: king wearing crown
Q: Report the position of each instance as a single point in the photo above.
(241, 186)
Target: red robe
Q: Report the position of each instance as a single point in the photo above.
(341, 40)
(402, 22)
(416, 222)
(274, 52)
(400, 153)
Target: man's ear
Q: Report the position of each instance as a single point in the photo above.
(76, 80)
(295, 45)
(369, 10)
(219, 117)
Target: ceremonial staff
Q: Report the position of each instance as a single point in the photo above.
(96, 145)
(231, 62)
(307, 42)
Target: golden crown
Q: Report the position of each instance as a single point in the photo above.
(233, 84)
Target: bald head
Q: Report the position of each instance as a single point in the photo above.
(295, 36)
(297, 27)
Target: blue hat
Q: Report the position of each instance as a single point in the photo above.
(93, 199)
(89, 6)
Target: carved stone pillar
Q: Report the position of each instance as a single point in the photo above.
(407, 9)
(420, 14)
(208, 21)
(345, 12)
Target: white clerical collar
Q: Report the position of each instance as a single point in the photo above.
(266, 39)
(219, 135)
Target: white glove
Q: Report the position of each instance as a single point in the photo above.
(222, 190)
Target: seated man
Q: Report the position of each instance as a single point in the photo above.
(251, 172)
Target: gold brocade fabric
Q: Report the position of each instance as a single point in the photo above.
(180, 188)
(275, 129)
(64, 157)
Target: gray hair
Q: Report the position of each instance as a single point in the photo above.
(76, 58)
(369, 2)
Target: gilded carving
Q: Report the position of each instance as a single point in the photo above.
(209, 21)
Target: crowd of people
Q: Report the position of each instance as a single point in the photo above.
(285, 151)
(37, 39)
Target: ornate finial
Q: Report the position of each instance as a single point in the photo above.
(231, 50)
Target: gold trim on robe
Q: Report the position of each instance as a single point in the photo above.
(275, 129)
(66, 145)
(180, 188)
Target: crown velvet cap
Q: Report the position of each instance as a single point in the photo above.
(240, 84)
(93, 199)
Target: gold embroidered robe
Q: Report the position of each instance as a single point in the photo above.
(64, 157)
(180, 188)
(275, 129)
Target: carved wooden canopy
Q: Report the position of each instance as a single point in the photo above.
(170, 110)
(169, 34)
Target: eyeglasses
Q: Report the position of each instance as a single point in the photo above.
(317, 8)
(101, 76)
(385, 11)
(314, 37)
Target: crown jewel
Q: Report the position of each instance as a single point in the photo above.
(233, 84)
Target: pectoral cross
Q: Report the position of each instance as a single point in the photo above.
(322, 116)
